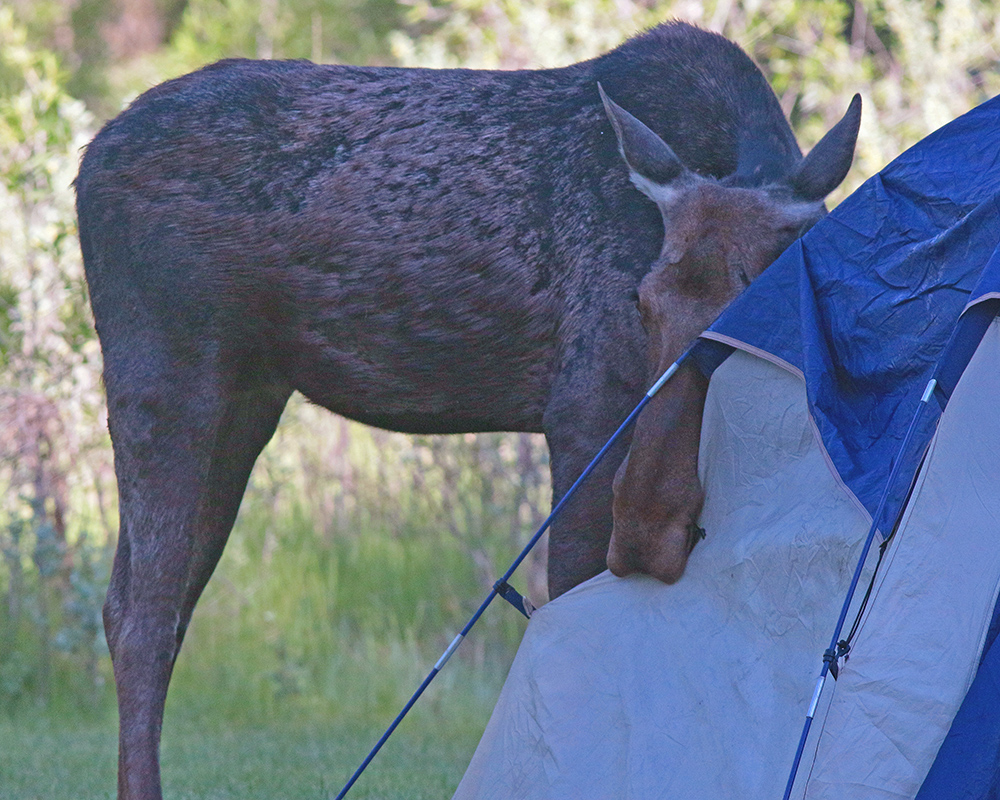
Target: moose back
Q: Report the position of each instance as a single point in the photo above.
(422, 250)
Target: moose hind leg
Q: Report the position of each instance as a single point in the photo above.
(182, 464)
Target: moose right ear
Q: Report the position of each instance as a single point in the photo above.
(650, 160)
(822, 171)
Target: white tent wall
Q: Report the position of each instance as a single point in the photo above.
(633, 689)
(919, 645)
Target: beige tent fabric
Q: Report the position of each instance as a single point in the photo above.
(633, 689)
(919, 645)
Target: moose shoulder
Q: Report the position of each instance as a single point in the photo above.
(432, 251)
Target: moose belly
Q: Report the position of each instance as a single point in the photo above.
(422, 359)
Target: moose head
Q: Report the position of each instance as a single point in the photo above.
(718, 236)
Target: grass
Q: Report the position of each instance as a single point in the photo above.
(288, 756)
(296, 662)
(42, 757)
(301, 652)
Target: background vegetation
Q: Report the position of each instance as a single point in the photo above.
(358, 552)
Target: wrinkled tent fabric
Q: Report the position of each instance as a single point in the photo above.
(929, 225)
(968, 764)
(864, 304)
(634, 689)
(863, 308)
(919, 644)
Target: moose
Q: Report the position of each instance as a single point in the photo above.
(430, 251)
(718, 237)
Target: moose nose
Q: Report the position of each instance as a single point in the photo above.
(665, 561)
(623, 560)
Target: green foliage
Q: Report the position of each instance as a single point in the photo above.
(46, 343)
(512, 34)
(52, 648)
(355, 547)
(345, 31)
(319, 29)
(917, 63)
(51, 575)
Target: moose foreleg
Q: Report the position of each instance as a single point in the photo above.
(585, 410)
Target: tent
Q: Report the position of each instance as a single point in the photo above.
(627, 688)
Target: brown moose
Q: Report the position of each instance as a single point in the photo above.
(718, 238)
(422, 250)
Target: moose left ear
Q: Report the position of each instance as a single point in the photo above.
(820, 172)
(649, 158)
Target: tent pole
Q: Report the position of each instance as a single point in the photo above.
(833, 653)
(501, 587)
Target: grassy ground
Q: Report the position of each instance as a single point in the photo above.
(43, 758)
(301, 652)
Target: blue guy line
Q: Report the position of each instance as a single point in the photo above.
(500, 584)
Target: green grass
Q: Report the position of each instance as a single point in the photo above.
(210, 758)
(297, 659)
(344, 629)
(42, 757)
(301, 652)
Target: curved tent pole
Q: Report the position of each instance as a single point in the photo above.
(837, 649)
(965, 338)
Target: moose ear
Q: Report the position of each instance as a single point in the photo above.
(820, 172)
(650, 160)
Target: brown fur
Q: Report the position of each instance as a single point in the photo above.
(719, 239)
(430, 251)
